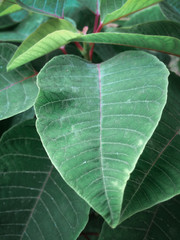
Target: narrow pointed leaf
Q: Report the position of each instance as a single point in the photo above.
(129, 7)
(171, 9)
(48, 37)
(18, 89)
(156, 176)
(94, 121)
(35, 202)
(165, 44)
(160, 222)
(54, 8)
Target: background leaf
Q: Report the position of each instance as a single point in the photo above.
(80, 111)
(129, 7)
(24, 29)
(159, 222)
(18, 89)
(171, 9)
(8, 7)
(156, 176)
(52, 8)
(35, 203)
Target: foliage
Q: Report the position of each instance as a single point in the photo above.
(90, 123)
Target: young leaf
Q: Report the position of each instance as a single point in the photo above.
(48, 37)
(171, 9)
(94, 121)
(35, 202)
(52, 8)
(156, 176)
(165, 44)
(18, 88)
(160, 222)
(129, 7)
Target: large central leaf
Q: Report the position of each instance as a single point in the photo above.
(94, 121)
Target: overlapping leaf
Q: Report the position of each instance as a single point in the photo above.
(160, 222)
(24, 29)
(171, 8)
(156, 176)
(54, 8)
(48, 37)
(94, 121)
(35, 202)
(8, 7)
(129, 7)
(18, 88)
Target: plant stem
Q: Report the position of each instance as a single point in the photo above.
(78, 45)
(63, 50)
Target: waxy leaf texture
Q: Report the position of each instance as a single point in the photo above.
(95, 120)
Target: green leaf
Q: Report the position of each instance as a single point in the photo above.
(108, 6)
(52, 8)
(94, 121)
(150, 14)
(156, 176)
(24, 29)
(48, 37)
(165, 44)
(131, 6)
(18, 89)
(171, 9)
(8, 7)
(160, 222)
(35, 202)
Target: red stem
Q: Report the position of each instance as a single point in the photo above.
(63, 50)
(78, 45)
(84, 235)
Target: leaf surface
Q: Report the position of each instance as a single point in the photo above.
(48, 37)
(165, 44)
(131, 6)
(18, 89)
(94, 121)
(8, 7)
(159, 222)
(156, 176)
(54, 8)
(35, 202)
(171, 9)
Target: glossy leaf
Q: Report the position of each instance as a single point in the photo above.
(165, 44)
(129, 7)
(94, 121)
(150, 14)
(18, 88)
(48, 37)
(8, 7)
(171, 9)
(35, 202)
(24, 29)
(160, 222)
(156, 176)
(54, 8)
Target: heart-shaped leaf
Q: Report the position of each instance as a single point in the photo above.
(94, 121)
(35, 202)
(18, 89)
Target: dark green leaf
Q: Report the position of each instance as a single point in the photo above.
(156, 176)
(80, 109)
(35, 202)
(18, 88)
(171, 9)
(8, 7)
(160, 222)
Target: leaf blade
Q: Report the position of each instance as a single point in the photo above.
(76, 109)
